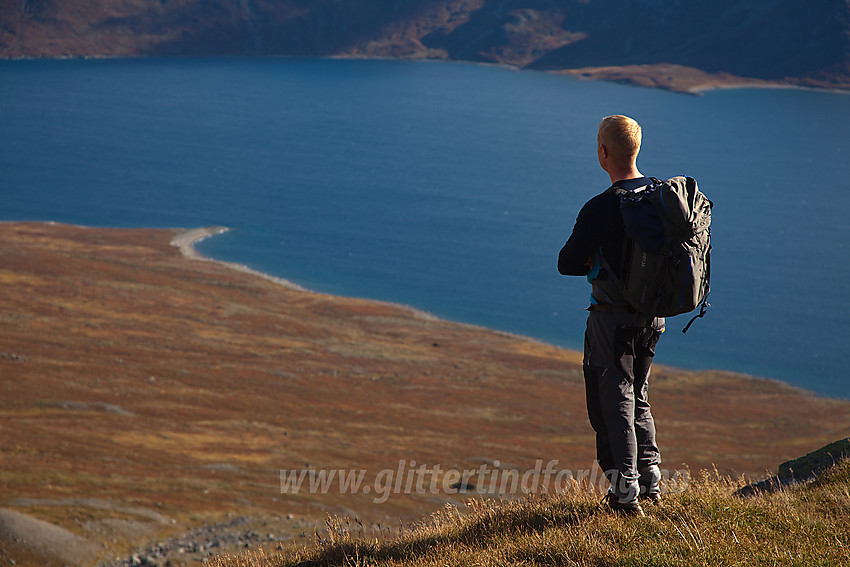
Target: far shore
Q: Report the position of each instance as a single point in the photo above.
(665, 76)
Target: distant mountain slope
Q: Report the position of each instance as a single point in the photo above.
(776, 40)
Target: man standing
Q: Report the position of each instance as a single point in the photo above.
(619, 343)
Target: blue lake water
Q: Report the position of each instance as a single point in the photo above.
(449, 187)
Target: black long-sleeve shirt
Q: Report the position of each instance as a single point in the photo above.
(599, 225)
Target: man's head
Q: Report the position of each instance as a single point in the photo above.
(618, 143)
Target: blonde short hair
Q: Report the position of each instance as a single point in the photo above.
(621, 135)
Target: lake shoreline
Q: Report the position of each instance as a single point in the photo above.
(186, 239)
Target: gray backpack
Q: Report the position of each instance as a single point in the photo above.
(667, 252)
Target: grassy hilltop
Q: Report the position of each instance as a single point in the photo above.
(147, 395)
(805, 525)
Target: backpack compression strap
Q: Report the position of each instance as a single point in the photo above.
(705, 303)
(699, 315)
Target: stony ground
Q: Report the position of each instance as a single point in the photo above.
(230, 537)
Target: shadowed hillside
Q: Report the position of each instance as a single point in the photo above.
(676, 44)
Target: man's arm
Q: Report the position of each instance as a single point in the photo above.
(576, 257)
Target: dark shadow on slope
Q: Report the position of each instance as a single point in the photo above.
(294, 27)
(536, 514)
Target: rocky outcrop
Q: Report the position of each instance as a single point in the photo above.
(774, 40)
(802, 469)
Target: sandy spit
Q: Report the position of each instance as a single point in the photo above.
(186, 239)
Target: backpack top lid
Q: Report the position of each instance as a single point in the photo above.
(685, 208)
(677, 206)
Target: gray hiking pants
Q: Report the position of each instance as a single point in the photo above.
(617, 359)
